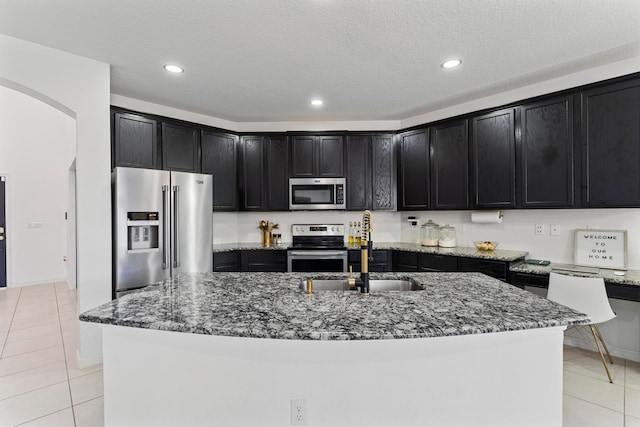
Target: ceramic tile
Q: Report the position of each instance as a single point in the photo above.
(32, 344)
(28, 312)
(34, 359)
(90, 413)
(69, 316)
(579, 413)
(74, 371)
(86, 387)
(34, 321)
(33, 332)
(62, 418)
(33, 379)
(591, 365)
(630, 421)
(633, 375)
(69, 325)
(594, 390)
(632, 402)
(35, 404)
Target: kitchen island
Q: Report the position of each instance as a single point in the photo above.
(236, 348)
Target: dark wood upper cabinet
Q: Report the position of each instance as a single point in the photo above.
(383, 173)
(317, 156)
(546, 153)
(219, 158)
(493, 160)
(358, 172)
(277, 173)
(180, 148)
(264, 183)
(303, 156)
(611, 146)
(450, 165)
(371, 181)
(252, 183)
(135, 141)
(413, 171)
(330, 157)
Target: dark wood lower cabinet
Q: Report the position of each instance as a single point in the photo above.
(497, 269)
(381, 261)
(271, 260)
(226, 261)
(614, 290)
(435, 262)
(405, 261)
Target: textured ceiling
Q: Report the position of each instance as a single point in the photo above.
(255, 61)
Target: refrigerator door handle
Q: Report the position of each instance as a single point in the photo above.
(165, 226)
(176, 227)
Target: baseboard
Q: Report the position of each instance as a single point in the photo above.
(38, 282)
(615, 351)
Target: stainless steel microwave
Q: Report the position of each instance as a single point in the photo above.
(317, 193)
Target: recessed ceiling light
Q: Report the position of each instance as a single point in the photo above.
(173, 69)
(451, 63)
(317, 102)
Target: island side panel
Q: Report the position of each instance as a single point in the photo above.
(157, 378)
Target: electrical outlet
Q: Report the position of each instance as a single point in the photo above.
(539, 229)
(555, 229)
(298, 412)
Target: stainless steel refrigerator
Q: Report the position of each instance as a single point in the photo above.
(162, 225)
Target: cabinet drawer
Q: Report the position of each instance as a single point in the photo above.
(379, 256)
(225, 261)
(626, 292)
(497, 269)
(405, 261)
(264, 260)
(432, 262)
(537, 280)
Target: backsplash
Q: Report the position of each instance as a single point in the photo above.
(243, 226)
(516, 232)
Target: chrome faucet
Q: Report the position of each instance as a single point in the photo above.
(366, 252)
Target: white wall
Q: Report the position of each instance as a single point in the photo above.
(33, 155)
(517, 230)
(243, 226)
(78, 87)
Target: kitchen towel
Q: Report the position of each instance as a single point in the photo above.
(486, 217)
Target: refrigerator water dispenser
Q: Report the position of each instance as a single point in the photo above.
(142, 230)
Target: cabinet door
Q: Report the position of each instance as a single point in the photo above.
(493, 160)
(219, 159)
(435, 262)
(546, 154)
(450, 166)
(383, 173)
(252, 172)
(405, 261)
(303, 156)
(135, 141)
(358, 172)
(330, 156)
(611, 146)
(277, 173)
(180, 148)
(414, 170)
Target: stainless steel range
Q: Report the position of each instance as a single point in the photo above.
(317, 248)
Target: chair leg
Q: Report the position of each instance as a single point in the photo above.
(603, 344)
(604, 362)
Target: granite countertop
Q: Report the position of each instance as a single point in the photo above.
(631, 277)
(271, 305)
(468, 252)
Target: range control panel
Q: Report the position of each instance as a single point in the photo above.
(317, 230)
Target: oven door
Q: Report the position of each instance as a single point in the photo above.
(316, 261)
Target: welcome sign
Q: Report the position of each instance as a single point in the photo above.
(601, 248)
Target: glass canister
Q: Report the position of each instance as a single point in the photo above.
(447, 237)
(429, 234)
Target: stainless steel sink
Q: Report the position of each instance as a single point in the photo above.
(377, 285)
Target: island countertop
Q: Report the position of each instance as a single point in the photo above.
(271, 305)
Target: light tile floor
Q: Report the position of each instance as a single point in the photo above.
(42, 386)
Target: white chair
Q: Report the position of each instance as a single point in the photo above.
(587, 295)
